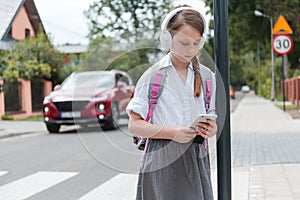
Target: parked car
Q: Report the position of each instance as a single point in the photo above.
(245, 89)
(87, 98)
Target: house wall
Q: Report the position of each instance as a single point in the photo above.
(47, 87)
(20, 24)
(2, 105)
(25, 99)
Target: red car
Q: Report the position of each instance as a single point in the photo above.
(87, 98)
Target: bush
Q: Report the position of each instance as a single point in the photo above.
(32, 58)
(265, 89)
(7, 117)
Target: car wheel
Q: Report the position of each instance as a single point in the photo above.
(113, 121)
(53, 128)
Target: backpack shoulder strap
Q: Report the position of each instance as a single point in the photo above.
(156, 84)
(206, 80)
(155, 89)
(208, 93)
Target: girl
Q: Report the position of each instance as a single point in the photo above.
(176, 163)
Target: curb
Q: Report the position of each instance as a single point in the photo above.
(9, 135)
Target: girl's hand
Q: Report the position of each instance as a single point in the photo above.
(207, 129)
(184, 134)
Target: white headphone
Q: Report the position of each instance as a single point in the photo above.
(165, 35)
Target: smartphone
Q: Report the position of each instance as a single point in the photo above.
(202, 118)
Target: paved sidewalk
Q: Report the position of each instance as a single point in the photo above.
(14, 128)
(263, 134)
(265, 151)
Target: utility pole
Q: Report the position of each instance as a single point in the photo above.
(260, 14)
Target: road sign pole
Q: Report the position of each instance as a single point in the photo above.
(282, 44)
(221, 60)
(283, 85)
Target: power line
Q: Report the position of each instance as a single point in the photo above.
(64, 29)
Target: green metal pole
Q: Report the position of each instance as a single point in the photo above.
(221, 59)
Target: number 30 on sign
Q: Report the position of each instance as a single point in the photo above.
(282, 44)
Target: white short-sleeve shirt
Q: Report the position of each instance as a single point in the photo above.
(176, 105)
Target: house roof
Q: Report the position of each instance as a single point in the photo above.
(10, 9)
(72, 49)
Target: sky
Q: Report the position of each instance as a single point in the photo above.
(65, 22)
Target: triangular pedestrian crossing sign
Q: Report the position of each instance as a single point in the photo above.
(281, 26)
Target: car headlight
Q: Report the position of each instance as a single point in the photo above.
(46, 109)
(101, 106)
(101, 97)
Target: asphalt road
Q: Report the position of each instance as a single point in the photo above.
(85, 159)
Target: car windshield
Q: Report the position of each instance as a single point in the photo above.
(84, 81)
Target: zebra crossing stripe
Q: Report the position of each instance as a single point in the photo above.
(33, 184)
(121, 186)
(3, 173)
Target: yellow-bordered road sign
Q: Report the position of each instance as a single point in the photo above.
(281, 26)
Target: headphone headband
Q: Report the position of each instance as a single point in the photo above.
(165, 35)
(171, 14)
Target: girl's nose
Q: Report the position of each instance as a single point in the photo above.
(190, 49)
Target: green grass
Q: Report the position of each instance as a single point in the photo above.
(287, 107)
(33, 118)
(7, 117)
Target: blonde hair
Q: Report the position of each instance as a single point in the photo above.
(192, 18)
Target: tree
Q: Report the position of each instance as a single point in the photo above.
(126, 19)
(249, 39)
(98, 55)
(30, 59)
(124, 34)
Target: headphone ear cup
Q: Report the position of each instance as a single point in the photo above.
(165, 40)
(202, 42)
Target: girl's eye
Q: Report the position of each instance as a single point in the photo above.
(185, 43)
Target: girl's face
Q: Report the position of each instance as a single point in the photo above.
(185, 43)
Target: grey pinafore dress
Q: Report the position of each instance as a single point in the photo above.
(173, 171)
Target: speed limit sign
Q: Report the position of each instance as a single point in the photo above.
(282, 44)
